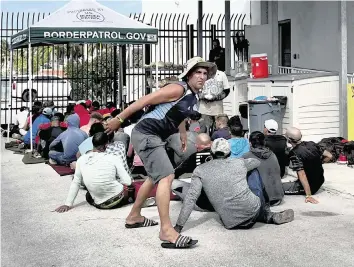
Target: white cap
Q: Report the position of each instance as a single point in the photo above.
(271, 126)
(221, 145)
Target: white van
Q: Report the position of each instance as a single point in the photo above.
(44, 88)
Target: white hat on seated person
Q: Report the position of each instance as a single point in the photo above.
(271, 125)
(221, 145)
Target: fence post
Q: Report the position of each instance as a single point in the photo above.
(147, 70)
(190, 41)
(124, 64)
(115, 76)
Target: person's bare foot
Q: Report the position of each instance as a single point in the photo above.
(134, 219)
(169, 235)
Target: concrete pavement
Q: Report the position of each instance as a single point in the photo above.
(34, 235)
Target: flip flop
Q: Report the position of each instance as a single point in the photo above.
(181, 242)
(145, 223)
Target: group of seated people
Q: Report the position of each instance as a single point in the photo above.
(239, 178)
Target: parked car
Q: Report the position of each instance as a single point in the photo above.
(43, 87)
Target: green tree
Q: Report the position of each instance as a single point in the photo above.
(92, 78)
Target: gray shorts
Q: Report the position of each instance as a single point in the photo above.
(152, 152)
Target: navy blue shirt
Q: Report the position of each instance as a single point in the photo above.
(163, 119)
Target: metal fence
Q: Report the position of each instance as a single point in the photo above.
(90, 71)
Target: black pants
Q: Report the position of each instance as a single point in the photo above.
(106, 205)
(293, 188)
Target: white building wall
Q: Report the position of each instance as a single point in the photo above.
(315, 33)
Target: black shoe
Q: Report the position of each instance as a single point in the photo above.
(283, 216)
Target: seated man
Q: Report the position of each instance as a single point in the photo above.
(49, 132)
(222, 130)
(239, 201)
(20, 121)
(70, 140)
(42, 118)
(196, 124)
(239, 145)
(115, 148)
(306, 160)
(269, 168)
(94, 118)
(276, 143)
(174, 151)
(103, 175)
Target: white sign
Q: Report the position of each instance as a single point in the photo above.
(132, 36)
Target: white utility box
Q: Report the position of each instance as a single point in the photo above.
(238, 95)
(312, 104)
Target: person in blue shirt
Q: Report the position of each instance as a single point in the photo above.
(239, 145)
(70, 140)
(43, 118)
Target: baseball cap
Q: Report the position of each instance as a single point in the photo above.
(198, 62)
(220, 145)
(88, 103)
(47, 111)
(271, 125)
(55, 118)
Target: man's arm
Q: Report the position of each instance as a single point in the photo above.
(226, 86)
(251, 164)
(183, 135)
(298, 167)
(55, 142)
(122, 174)
(327, 156)
(190, 201)
(168, 93)
(74, 189)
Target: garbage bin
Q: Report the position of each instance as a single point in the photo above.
(260, 111)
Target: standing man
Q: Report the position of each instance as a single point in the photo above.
(214, 91)
(217, 55)
(169, 107)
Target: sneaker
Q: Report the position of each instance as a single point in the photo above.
(16, 136)
(342, 159)
(52, 162)
(149, 202)
(283, 216)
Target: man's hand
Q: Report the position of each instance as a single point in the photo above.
(62, 209)
(183, 137)
(311, 200)
(113, 125)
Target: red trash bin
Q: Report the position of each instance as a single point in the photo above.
(259, 64)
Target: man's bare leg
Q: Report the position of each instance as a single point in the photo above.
(144, 192)
(163, 195)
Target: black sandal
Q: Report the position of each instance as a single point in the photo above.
(145, 223)
(181, 242)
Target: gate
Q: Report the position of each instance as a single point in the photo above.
(90, 71)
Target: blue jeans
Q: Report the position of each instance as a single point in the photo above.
(59, 157)
(256, 185)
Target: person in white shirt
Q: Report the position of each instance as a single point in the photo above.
(103, 175)
(214, 91)
(21, 119)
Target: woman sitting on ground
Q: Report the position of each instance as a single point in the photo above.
(269, 168)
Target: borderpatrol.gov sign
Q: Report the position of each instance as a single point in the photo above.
(101, 35)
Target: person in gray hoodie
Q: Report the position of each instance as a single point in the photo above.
(237, 197)
(70, 141)
(269, 168)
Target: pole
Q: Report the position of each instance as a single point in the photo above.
(121, 77)
(200, 28)
(10, 95)
(115, 76)
(343, 109)
(275, 36)
(227, 38)
(157, 67)
(30, 84)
